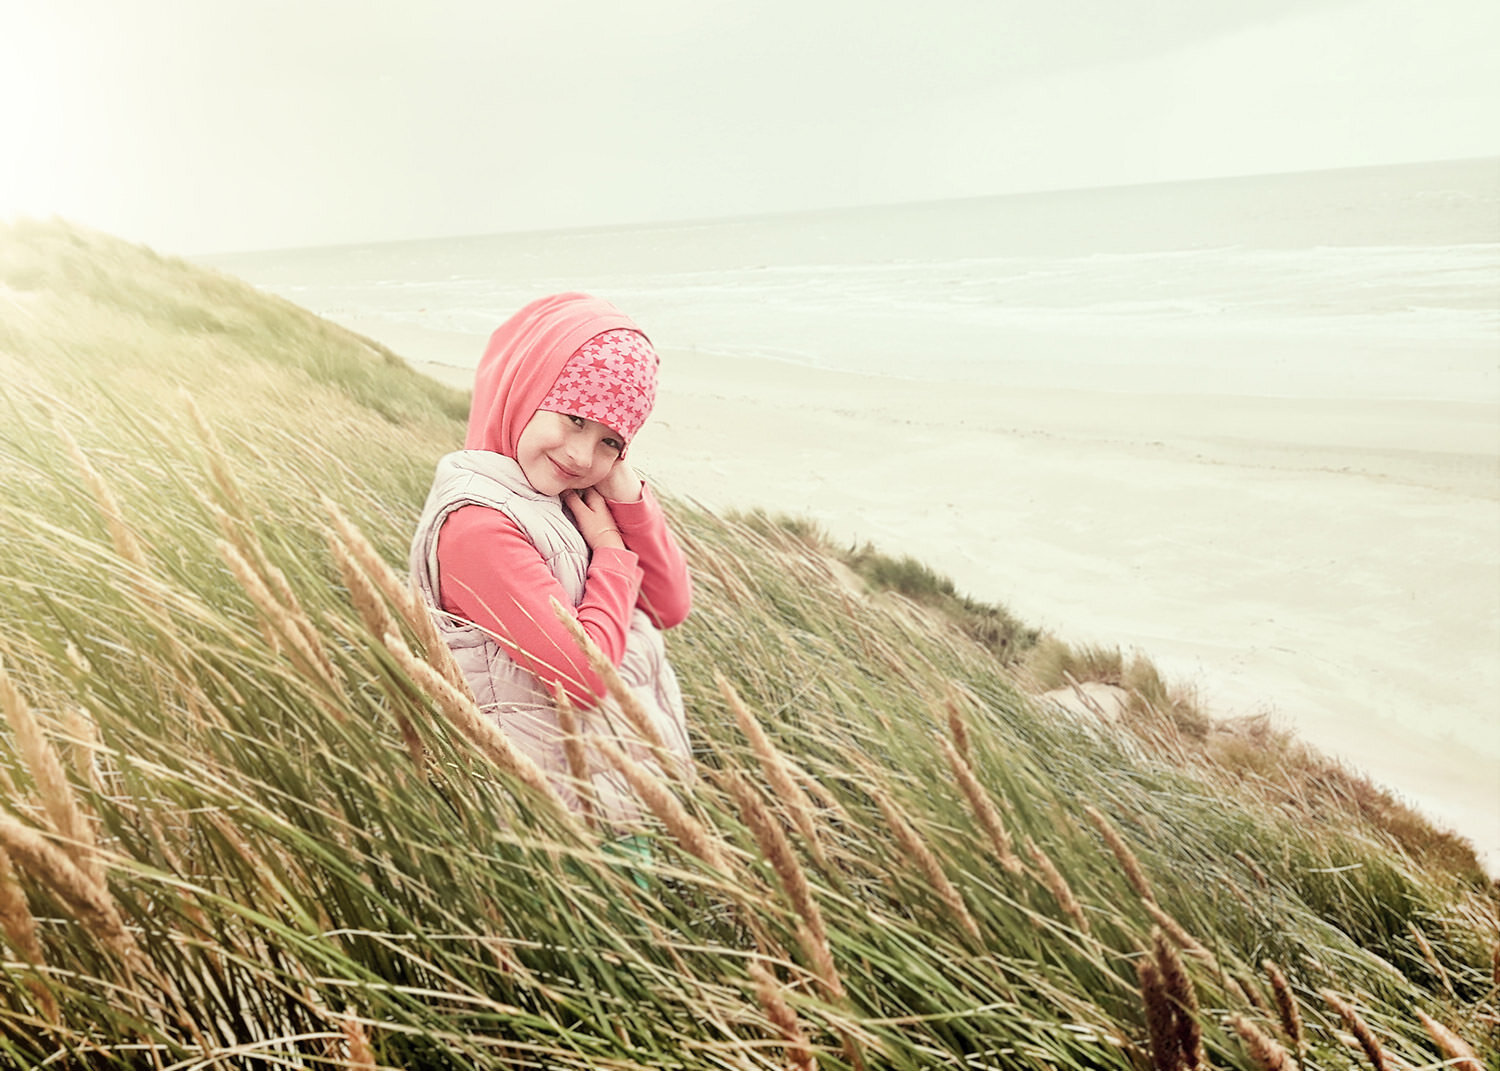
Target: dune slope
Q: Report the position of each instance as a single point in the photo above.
(245, 818)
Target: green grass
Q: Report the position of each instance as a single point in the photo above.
(289, 844)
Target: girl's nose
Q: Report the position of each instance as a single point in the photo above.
(580, 452)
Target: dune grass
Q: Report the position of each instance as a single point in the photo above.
(992, 626)
(245, 822)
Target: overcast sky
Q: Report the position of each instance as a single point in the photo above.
(223, 125)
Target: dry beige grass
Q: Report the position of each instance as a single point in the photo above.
(1364, 1037)
(1286, 1006)
(1128, 862)
(1161, 1016)
(1051, 877)
(917, 851)
(1460, 1055)
(1184, 1000)
(59, 801)
(778, 852)
(694, 837)
(776, 769)
(983, 807)
(473, 725)
(1263, 1050)
(799, 1054)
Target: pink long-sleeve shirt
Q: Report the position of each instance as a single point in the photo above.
(491, 573)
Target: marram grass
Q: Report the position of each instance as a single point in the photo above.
(247, 820)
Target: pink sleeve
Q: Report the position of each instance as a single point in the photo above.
(666, 587)
(491, 574)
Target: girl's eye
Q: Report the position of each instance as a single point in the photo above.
(577, 420)
(616, 445)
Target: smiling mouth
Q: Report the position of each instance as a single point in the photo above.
(567, 474)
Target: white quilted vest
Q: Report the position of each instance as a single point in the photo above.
(509, 694)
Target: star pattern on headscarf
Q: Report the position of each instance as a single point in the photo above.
(611, 378)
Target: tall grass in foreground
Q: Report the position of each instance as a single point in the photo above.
(245, 822)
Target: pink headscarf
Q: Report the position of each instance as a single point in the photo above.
(611, 379)
(524, 359)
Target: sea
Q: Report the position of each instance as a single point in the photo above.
(1365, 285)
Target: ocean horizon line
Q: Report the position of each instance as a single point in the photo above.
(692, 222)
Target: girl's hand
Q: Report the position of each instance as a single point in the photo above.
(594, 520)
(621, 485)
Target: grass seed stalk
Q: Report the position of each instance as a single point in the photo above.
(472, 724)
(59, 801)
(1057, 885)
(1458, 1052)
(400, 594)
(775, 767)
(1128, 862)
(958, 728)
(1286, 1006)
(361, 1057)
(799, 1054)
(87, 898)
(19, 927)
(126, 544)
(574, 751)
(630, 704)
(694, 837)
(1264, 1051)
(1184, 998)
(287, 623)
(983, 807)
(1425, 947)
(917, 851)
(1180, 937)
(1363, 1035)
(778, 852)
(1161, 1016)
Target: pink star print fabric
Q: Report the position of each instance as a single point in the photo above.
(611, 379)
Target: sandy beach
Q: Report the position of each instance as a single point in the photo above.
(1332, 563)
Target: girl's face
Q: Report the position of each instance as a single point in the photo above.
(558, 452)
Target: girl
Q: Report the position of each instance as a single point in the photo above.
(540, 504)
